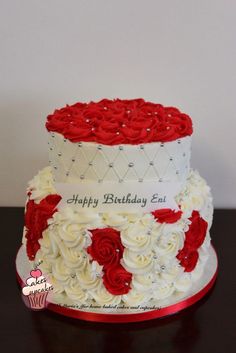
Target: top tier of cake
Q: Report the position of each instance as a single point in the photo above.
(119, 140)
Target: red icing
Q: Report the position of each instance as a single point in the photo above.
(117, 280)
(167, 215)
(36, 217)
(113, 122)
(188, 259)
(194, 237)
(107, 250)
(106, 247)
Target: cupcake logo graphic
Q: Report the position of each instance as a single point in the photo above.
(36, 290)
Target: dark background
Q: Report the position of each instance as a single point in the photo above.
(206, 327)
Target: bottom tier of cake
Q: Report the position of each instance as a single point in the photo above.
(118, 258)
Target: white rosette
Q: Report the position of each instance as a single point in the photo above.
(170, 241)
(103, 297)
(137, 263)
(135, 297)
(196, 196)
(91, 276)
(41, 185)
(76, 293)
(138, 237)
(116, 220)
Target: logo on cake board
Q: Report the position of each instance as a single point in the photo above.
(36, 289)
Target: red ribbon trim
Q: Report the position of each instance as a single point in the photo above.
(124, 318)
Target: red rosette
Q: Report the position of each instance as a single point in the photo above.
(196, 234)
(117, 280)
(36, 218)
(106, 247)
(167, 215)
(194, 238)
(188, 259)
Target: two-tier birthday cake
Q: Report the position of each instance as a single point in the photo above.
(119, 220)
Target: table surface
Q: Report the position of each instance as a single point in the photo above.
(208, 326)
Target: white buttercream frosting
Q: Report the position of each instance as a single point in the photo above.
(41, 185)
(150, 248)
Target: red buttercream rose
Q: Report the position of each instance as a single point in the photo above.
(196, 233)
(117, 280)
(167, 215)
(112, 122)
(188, 259)
(106, 247)
(194, 237)
(107, 250)
(36, 217)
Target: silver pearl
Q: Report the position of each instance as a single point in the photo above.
(162, 145)
(90, 163)
(160, 180)
(67, 173)
(179, 142)
(81, 177)
(140, 180)
(73, 160)
(151, 163)
(59, 154)
(64, 140)
(131, 164)
(79, 144)
(141, 147)
(55, 167)
(177, 172)
(110, 165)
(171, 159)
(99, 147)
(121, 148)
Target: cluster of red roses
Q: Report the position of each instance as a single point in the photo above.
(107, 250)
(36, 217)
(117, 121)
(194, 237)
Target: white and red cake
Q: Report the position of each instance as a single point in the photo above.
(109, 244)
